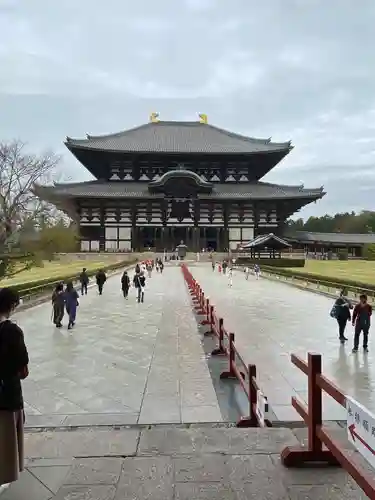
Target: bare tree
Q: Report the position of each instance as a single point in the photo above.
(20, 208)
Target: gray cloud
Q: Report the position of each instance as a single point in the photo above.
(301, 70)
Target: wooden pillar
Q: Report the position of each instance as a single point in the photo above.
(102, 228)
(134, 227)
(256, 220)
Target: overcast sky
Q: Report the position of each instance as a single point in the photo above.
(291, 69)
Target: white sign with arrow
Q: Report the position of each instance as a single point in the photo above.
(360, 424)
(262, 406)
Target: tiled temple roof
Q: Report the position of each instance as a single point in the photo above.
(339, 238)
(178, 137)
(117, 189)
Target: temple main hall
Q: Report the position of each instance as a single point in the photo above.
(164, 182)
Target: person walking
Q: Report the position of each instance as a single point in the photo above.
(257, 271)
(101, 278)
(342, 314)
(125, 284)
(149, 268)
(161, 266)
(225, 267)
(84, 280)
(361, 322)
(247, 272)
(71, 303)
(58, 305)
(139, 282)
(213, 265)
(14, 362)
(230, 277)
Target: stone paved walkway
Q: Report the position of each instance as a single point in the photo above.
(124, 362)
(166, 463)
(271, 320)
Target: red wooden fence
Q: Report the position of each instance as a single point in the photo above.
(334, 454)
(237, 368)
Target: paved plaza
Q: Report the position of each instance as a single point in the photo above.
(129, 404)
(271, 320)
(174, 463)
(124, 362)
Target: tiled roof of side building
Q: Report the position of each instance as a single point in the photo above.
(259, 190)
(333, 237)
(178, 137)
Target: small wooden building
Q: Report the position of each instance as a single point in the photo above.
(321, 244)
(265, 246)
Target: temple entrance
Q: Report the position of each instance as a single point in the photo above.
(211, 239)
(179, 234)
(147, 237)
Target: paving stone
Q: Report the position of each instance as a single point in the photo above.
(86, 493)
(27, 487)
(144, 478)
(92, 419)
(243, 468)
(199, 469)
(95, 471)
(52, 477)
(82, 443)
(44, 420)
(259, 488)
(204, 491)
(327, 492)
(203, 413)
(48, 462)
(226, 441)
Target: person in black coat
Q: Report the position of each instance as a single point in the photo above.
(125, 284)
(101, 278)
(84, 280)
(342, 310)
(58, 304)
(139, 282)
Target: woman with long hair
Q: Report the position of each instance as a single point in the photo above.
(14, 362)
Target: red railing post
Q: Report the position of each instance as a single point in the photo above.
(220, 350)
(315, 402)
(207, 320)
(297, 456)
(199, 308)
(232, 359)
(251, 420)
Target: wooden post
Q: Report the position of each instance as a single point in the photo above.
(298, 456)
(315, 402)
(220, 350)
(251, 420)
(207, 320)
(232, 359)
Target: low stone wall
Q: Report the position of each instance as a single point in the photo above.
(104, 256)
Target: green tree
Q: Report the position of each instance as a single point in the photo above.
(58, 238)
(369, 252)
(346, 222)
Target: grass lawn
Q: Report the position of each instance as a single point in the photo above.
(357, 270)
(52, 270)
